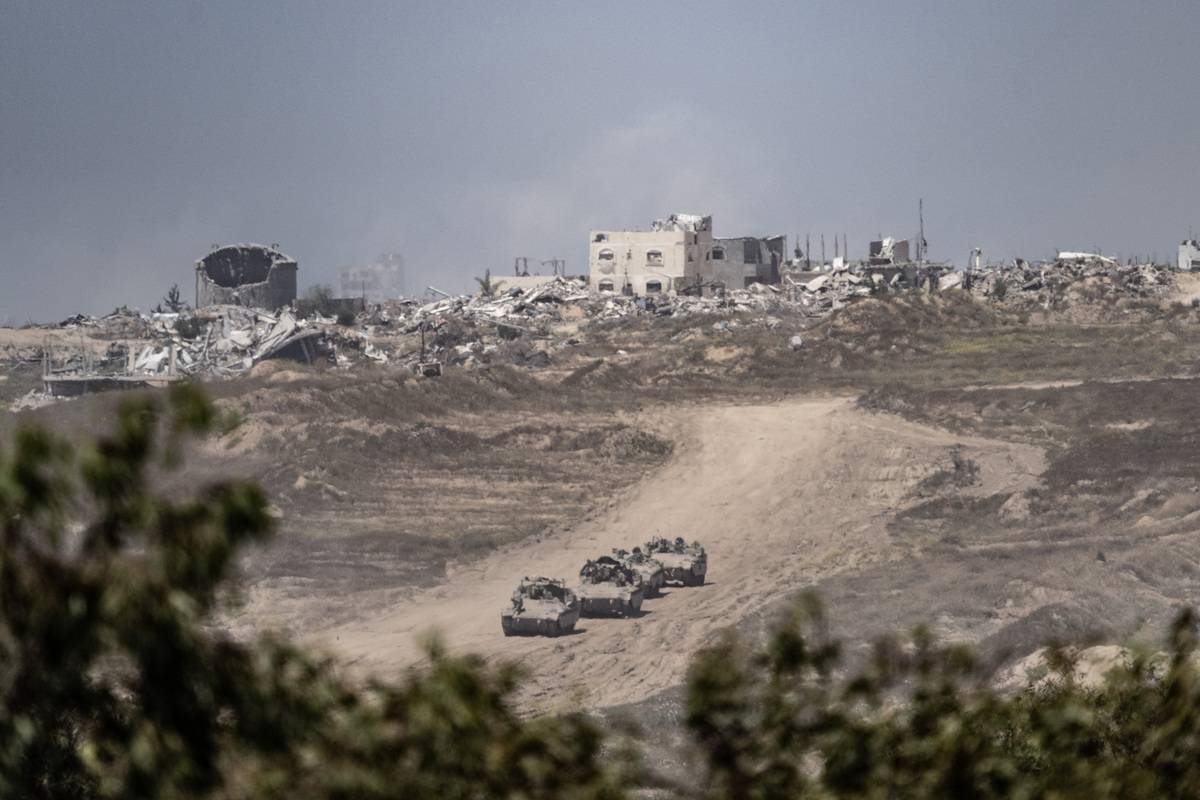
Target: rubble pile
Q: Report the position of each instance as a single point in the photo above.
(1086, 279)
(218, 341)
(830, 291)
(546, 302)
(526, 326)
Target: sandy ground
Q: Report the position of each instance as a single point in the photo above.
(781, 495)
(1186, 289)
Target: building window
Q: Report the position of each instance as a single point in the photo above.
(653, 287)
(654, 257)
(601, 237)
(605, 286)
(718, 254)
(606, 255)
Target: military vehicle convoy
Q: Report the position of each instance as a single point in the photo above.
(650, 569)
(540, 607)
(685, 564)
(609, 588)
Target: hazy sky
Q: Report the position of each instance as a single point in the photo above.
(135, 134)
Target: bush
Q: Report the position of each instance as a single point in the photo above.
(114, 684)
(919, 721)
(316, 299)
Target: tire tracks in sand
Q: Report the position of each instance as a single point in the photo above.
(781, 495)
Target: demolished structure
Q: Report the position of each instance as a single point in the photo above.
(888, 251)
(1088, 278)
(679, 254)
(249, 275)
(739, 262)
(1189, 255)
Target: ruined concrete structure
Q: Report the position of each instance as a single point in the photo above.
(382, 279)
(888, 251)
(251, 275)
(679, 253)
(665, 258)
(737, 263)
(1189, 255)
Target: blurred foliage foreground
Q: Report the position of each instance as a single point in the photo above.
(112, 685)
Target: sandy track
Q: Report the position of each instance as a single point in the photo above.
(781, 495)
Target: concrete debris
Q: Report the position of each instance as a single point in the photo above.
(528, 326)
(1080, 276)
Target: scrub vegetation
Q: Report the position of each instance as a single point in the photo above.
(113, 683)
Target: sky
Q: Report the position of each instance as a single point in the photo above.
(136, 135)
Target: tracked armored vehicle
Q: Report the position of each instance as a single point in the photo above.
(540, 607)
(609, 588)
(685, 564)
(649, 569)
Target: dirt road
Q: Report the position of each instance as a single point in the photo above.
(781, 495)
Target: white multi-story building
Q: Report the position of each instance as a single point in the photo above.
(666, 258)
(679, 253)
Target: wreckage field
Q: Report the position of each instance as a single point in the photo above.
(940, 460)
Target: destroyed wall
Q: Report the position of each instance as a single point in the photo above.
(658, 261)
(250, 275)
(738, 262)
(888, 251)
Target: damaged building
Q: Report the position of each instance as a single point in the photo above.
(736, 263)
(888, 251)
(679, 254)
(250, 275)
(1189, 255)
(665, 258)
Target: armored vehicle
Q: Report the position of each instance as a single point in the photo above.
(685, 564)
(609, 588)
(650, 569)
(540, 607)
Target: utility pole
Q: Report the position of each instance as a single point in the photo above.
(845, 249)
(921, 233)
(822, 251)
(807, 254)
